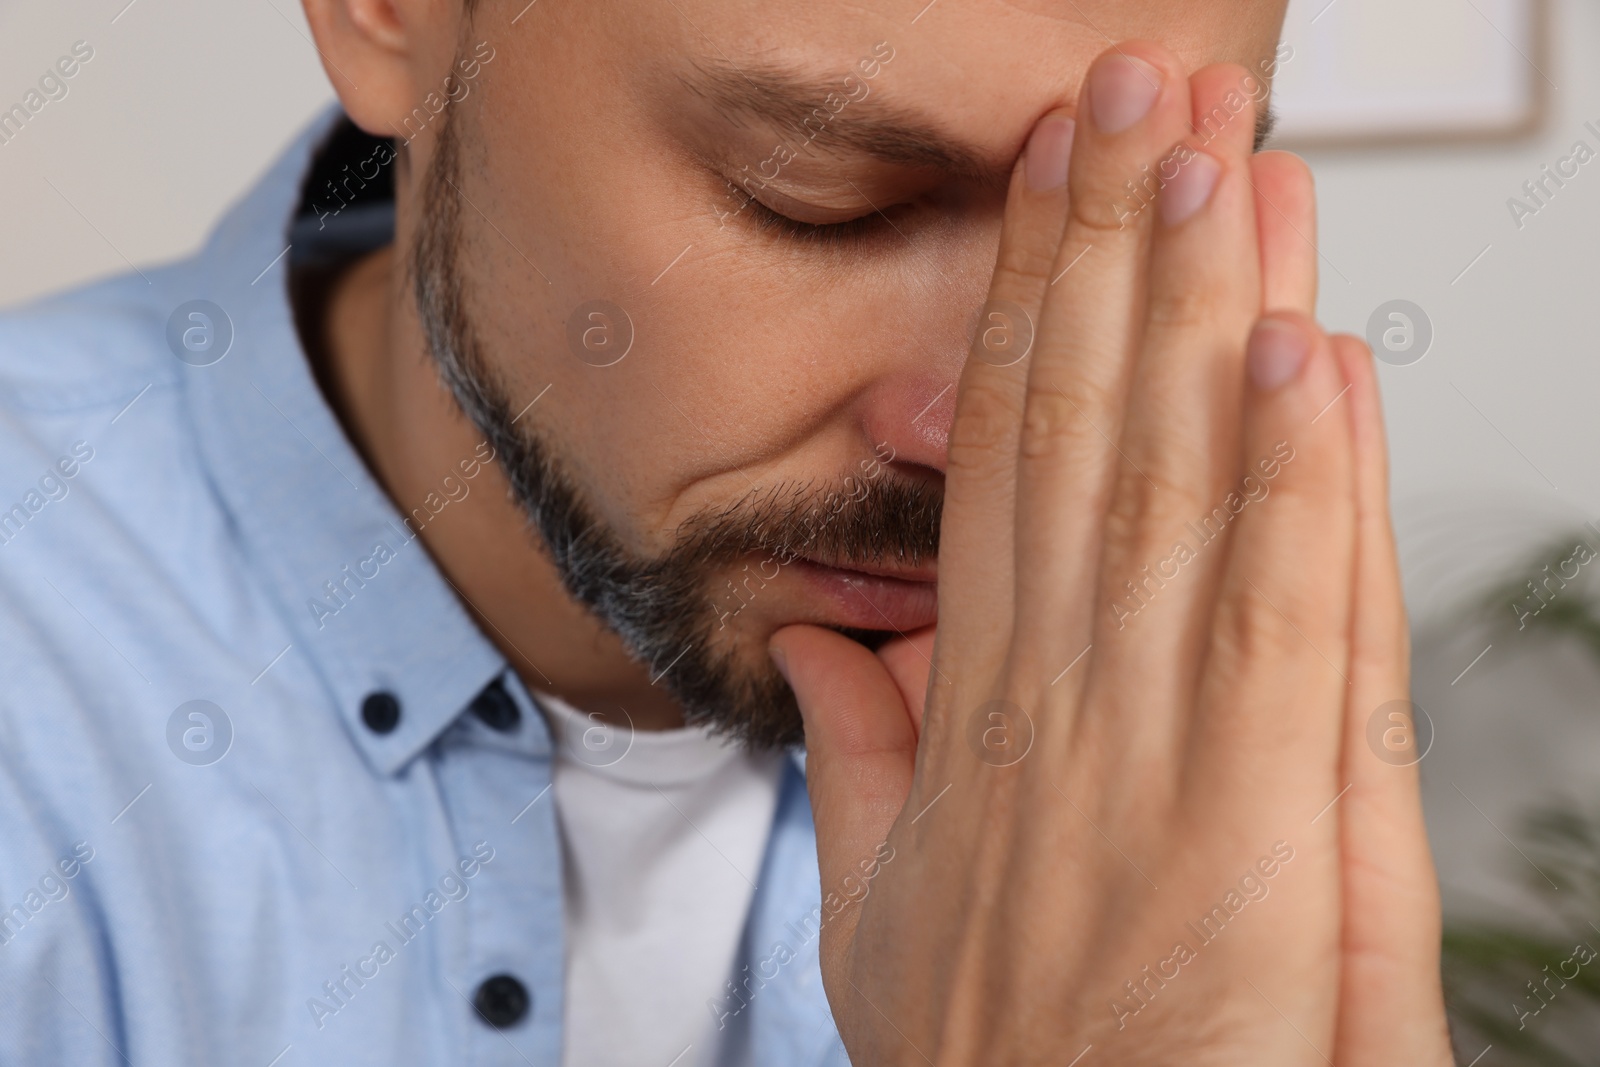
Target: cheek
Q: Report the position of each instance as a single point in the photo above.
(733, 387)
(729, 381)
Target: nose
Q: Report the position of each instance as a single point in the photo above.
(912, 414)
(909, 402)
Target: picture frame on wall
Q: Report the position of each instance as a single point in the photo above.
(1386, 71)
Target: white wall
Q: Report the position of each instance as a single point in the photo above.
(181, 108)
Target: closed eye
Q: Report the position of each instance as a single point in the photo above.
(861, 228)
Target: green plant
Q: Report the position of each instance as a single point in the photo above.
(1510, 984)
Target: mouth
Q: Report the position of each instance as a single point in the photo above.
(875, 596)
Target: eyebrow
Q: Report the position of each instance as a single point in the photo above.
(1266, 122)
(787, 97)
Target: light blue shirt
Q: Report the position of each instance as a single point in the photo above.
(208, 855)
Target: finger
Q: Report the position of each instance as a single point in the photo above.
(1391, 900)
(1135, 107)
(1286, 219)
(975, 556)
(909, 658)
(860, 751)
(1276, 682)
(1225, 98)
(1180, 444)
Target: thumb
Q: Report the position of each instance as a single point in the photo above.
(909, 658)
(861, 749)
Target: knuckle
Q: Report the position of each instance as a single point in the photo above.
(1103, 214)
(1148, 511)
(1250, 630)
(982, 431)
(1051, 425)
(1023, 263)
(1316, 500)
(1181, 306)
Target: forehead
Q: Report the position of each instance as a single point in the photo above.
(982, 69)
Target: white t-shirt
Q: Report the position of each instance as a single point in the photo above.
(663, 833)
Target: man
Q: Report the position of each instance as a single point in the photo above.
(415, 601)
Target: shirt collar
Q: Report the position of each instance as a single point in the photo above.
(315, 526)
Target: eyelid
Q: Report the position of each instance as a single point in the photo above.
(862, 225)
(860, 228)
(806, 213)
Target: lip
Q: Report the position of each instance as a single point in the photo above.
(876, 597)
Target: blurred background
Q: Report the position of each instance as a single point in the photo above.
(1427, 123)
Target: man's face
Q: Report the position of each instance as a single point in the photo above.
(739, 422)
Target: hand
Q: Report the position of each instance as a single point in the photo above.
(1104, 824)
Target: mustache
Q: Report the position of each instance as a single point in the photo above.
(888, 518)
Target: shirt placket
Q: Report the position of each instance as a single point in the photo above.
(494, 771)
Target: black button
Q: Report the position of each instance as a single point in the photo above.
(381, 712)
(502, 1001)
(496, 708)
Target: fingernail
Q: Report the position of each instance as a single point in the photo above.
(1122, 89)
(1048, 153)
(1276, 352)
(779, 661)
(1190, 188)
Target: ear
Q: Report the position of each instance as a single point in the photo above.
(379, 54)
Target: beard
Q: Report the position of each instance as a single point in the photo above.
(664, 608)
